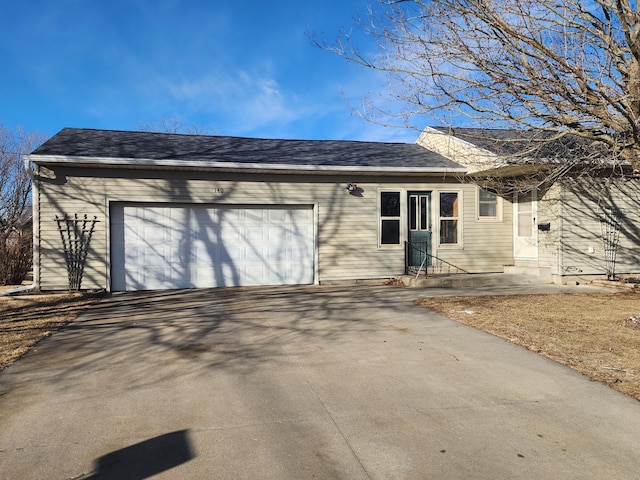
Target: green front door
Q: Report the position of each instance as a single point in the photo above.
(419, 228)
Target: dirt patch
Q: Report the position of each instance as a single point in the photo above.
(27, 319)
(595, 334)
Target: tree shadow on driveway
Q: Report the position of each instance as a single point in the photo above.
(188, 331)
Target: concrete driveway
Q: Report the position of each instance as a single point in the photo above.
(296, 383)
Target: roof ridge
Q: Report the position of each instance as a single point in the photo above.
(239, 137)
(115, 146)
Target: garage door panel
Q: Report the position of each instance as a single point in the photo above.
(275, 254)
(254, 235)
(278, 217)
(160, 247)
(298, 255)
(235, 216)
(275, 233)
(254, 216)
(228, 236)
(229, 255)
(253, 256)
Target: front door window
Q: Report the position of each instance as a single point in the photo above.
(419, 228)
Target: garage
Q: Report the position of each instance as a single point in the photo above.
(173, 211)
(169, 246)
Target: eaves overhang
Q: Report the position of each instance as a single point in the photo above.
(208, 165)
(513, 170)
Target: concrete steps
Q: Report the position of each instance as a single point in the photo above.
(616, 285)
(471, 280)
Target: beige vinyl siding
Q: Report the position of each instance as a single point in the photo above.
(484, 245)
(549, 242)
(347, 228)
(70, 198)
(582, 245)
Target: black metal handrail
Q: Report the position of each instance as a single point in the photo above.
(413, 250)
(436, 264)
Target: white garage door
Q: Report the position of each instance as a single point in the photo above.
(194, 246)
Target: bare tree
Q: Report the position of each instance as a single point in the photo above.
(171, 125)
(557, 69)
(15, 204)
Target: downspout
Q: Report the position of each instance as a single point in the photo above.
(27, 167)
(561, 235)
(35, 215)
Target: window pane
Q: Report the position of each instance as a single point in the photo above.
(448, 231)
(390, 232)
(487, 203)
(448, 204)
(488, 210)
(423, 213)
(390, 204)
(525, 216)
(487, 196)
(525, 225)
(413, 215)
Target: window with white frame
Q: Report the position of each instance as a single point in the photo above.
(449, 215)
(487, 204)
(390, 218)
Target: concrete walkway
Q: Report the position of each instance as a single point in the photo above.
(295, 383)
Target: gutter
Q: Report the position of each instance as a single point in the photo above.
(167, 163)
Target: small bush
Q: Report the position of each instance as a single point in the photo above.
(16, 259)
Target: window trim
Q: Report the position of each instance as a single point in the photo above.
(459, 218)
(499, 208)
(401, 218)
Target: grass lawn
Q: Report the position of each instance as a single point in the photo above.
(595, 334)
(27, 319)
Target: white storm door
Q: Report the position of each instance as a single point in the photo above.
(525, 241)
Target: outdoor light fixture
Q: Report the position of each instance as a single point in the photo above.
(353, 189)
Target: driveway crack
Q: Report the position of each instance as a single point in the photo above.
(319, 398)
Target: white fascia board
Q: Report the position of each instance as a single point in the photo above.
(141, 162)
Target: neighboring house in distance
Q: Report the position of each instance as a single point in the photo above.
(572, 227)
(187, 211)
(23, 229)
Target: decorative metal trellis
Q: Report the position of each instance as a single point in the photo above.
(75, 233)
(610, 222)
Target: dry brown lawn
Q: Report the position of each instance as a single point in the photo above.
(27, 319)
(595, 334)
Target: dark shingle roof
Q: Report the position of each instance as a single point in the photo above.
(88, 143)
(535, 145)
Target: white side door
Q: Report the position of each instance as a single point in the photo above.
(525, 241)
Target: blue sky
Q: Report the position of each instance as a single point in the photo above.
(227, 67)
